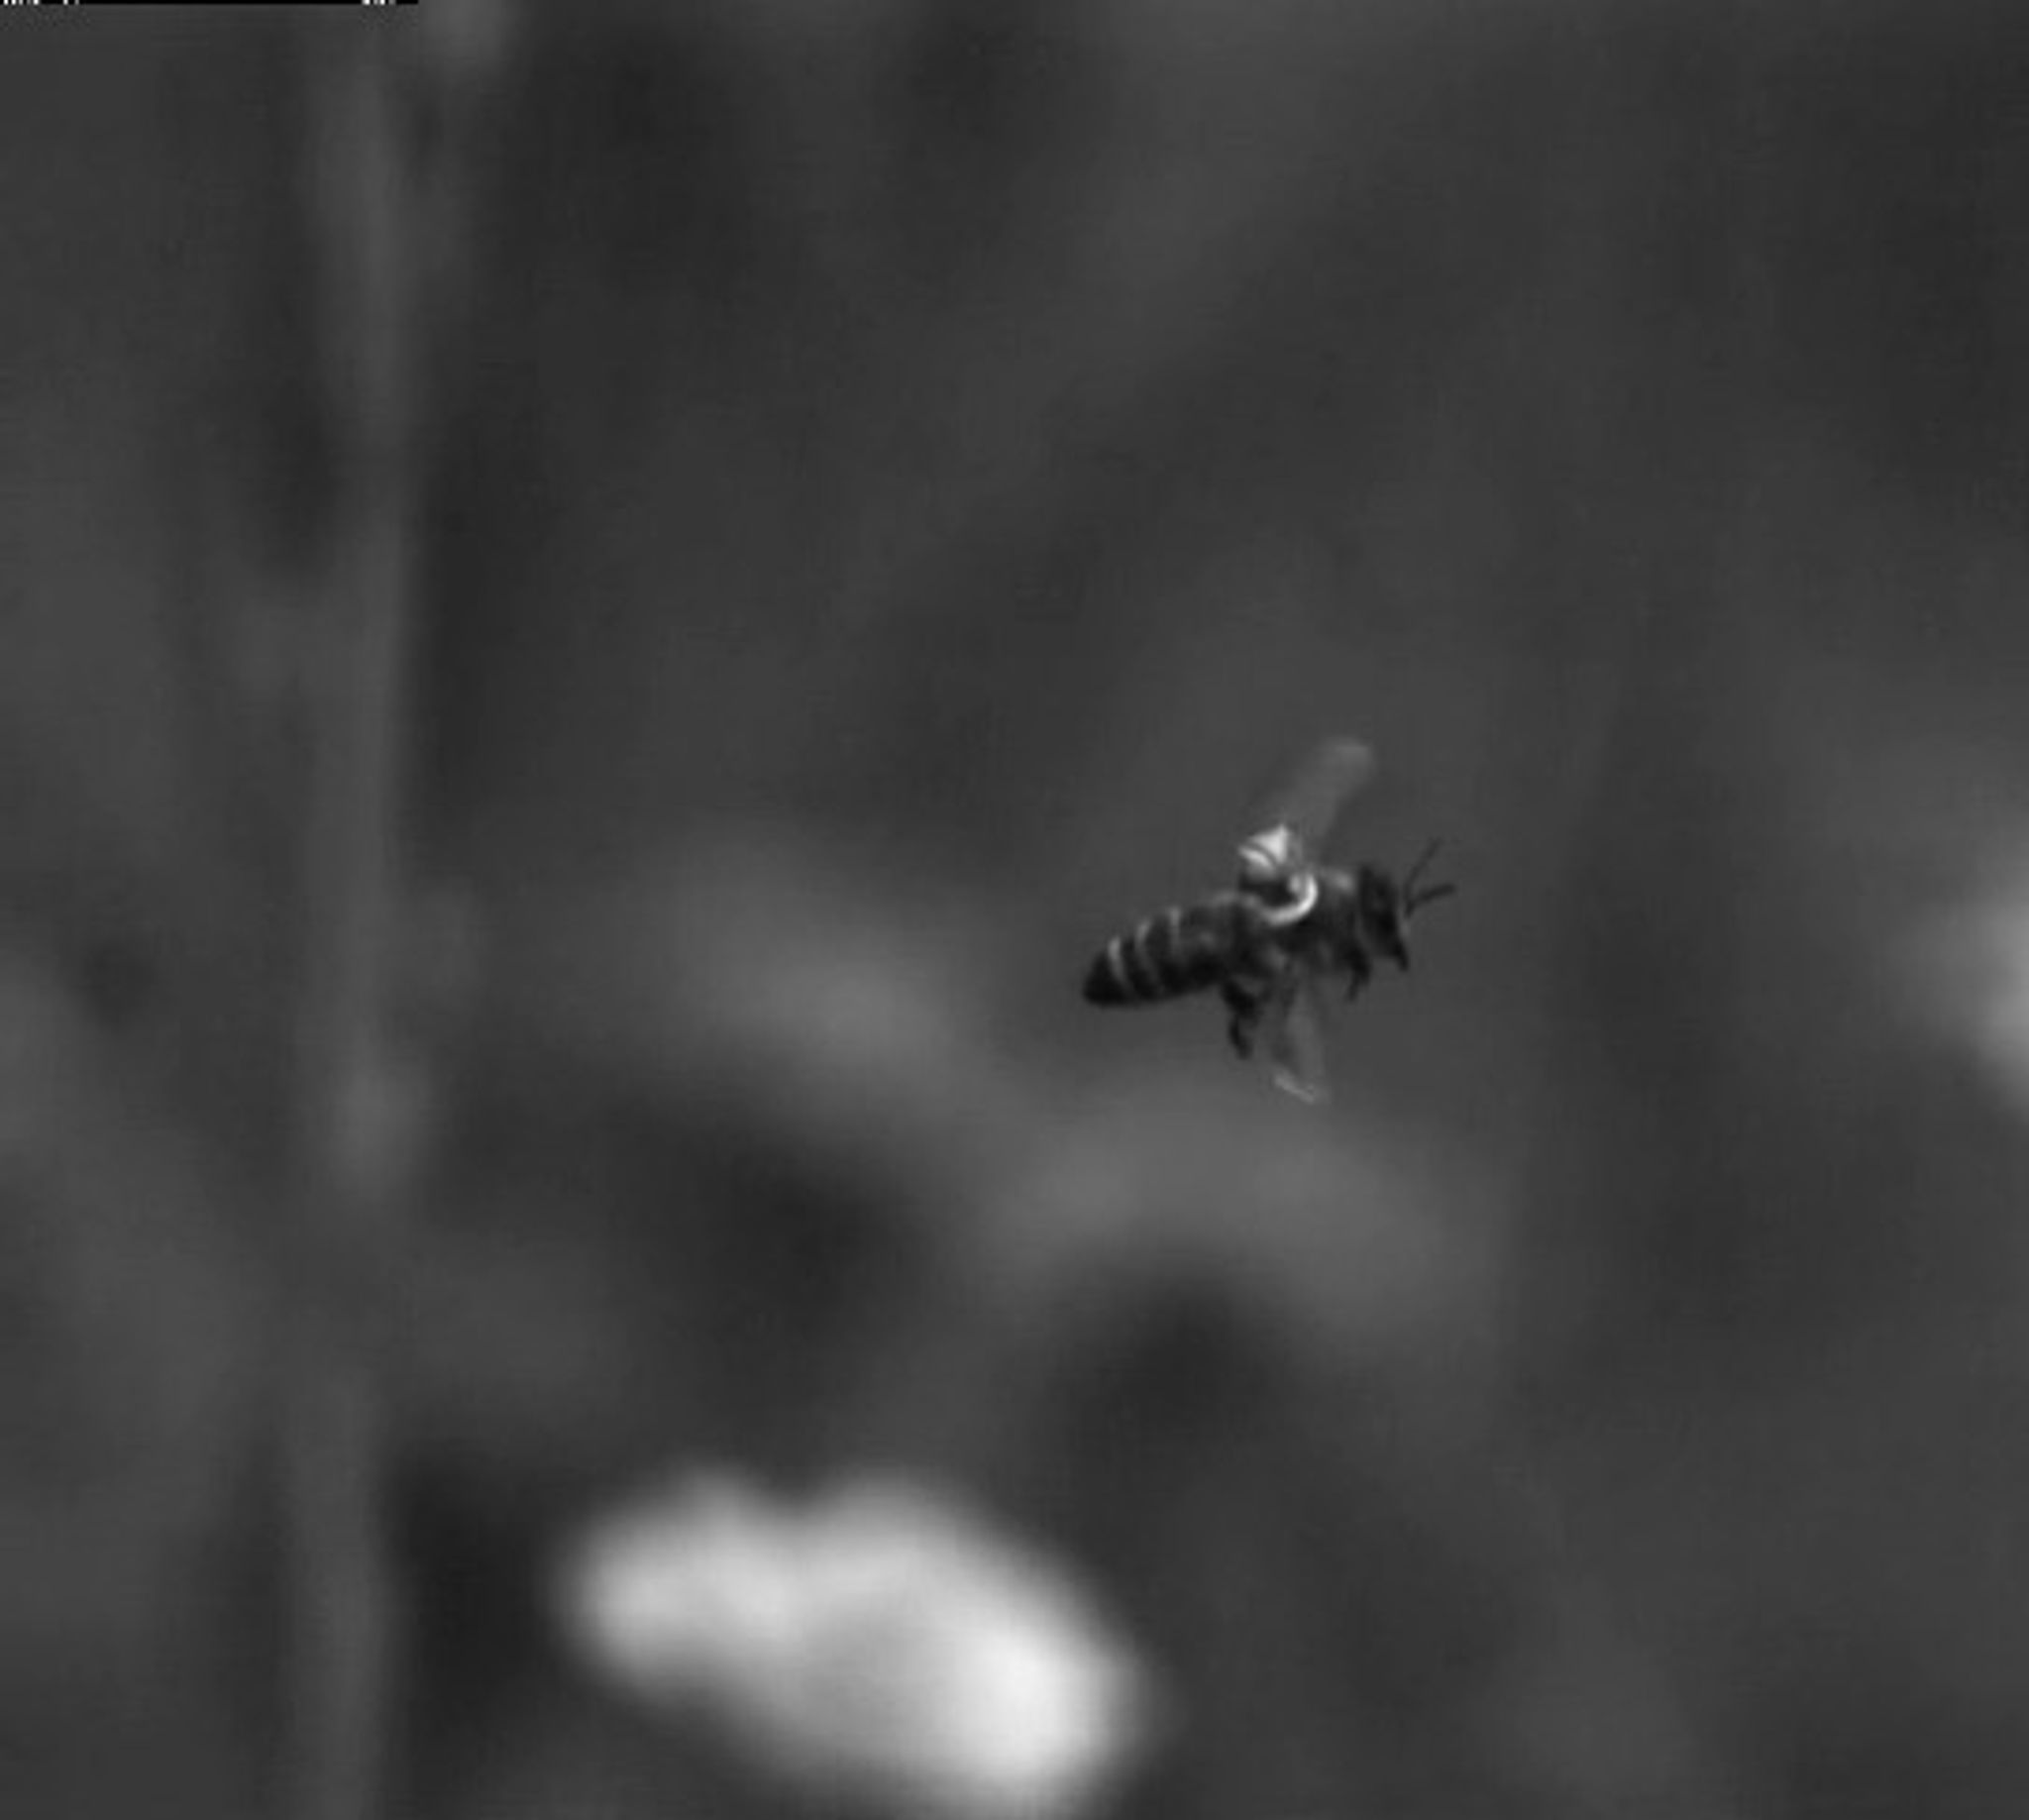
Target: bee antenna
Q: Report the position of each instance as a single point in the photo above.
(1414, 894)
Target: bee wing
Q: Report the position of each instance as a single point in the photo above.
(1296, 1042)
(1308, 798)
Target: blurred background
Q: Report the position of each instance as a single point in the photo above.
(604, 606)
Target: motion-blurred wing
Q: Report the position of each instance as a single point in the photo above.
(1309, 798)
(1295, 1033)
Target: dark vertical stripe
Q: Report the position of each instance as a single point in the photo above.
(1160, 934)
(1218, 939)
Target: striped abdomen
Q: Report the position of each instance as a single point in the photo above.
(1183, 949)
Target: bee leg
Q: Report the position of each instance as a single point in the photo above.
(1239, 1026)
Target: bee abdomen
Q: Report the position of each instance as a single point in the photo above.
(1179, 950)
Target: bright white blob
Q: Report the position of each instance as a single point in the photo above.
(1970, 973)
(882, 1645)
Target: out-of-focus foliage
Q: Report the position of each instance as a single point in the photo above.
(884, 1648)
(895, 480)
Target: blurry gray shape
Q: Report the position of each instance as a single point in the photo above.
(884, 1644)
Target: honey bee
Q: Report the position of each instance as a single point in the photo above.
(1287, 929)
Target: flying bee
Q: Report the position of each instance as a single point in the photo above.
(1287, 929)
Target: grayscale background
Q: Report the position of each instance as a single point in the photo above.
(600, 608)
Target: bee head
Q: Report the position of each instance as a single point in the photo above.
(1387, 905)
